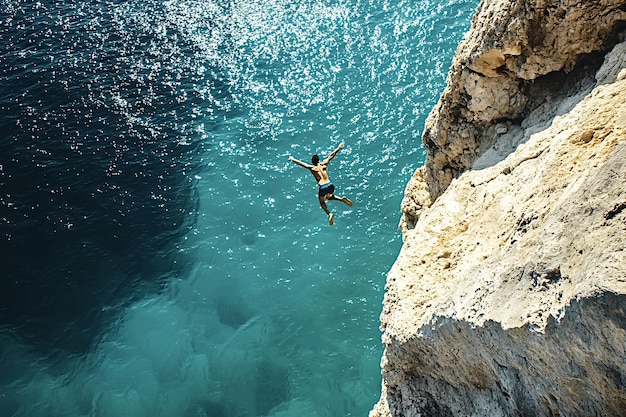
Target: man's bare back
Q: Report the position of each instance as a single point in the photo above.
(326, 188)
(320, 172)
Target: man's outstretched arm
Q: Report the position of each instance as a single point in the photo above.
(333, 153)
(302, 164)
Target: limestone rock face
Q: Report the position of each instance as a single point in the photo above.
(509, 295)
(511, 45)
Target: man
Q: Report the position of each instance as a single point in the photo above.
(326, 188)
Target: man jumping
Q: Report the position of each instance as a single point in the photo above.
(326, 188)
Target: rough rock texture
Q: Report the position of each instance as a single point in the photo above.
(509, 295)
(512, 45)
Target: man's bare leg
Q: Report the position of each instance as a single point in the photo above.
(331, 216)
(345, 200)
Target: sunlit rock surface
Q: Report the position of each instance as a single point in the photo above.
(509, 295)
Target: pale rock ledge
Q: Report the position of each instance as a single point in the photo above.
(509, 295)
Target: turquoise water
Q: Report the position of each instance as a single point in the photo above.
(274, 312)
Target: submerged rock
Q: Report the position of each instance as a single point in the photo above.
(508, 296)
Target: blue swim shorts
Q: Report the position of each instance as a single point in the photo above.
(327, 188)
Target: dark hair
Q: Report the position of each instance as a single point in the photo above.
(315, 159)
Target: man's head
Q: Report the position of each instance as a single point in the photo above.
(315, 159)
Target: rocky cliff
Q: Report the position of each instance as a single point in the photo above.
(509, 295)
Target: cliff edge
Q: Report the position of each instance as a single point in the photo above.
(509, 295)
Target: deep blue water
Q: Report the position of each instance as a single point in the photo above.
(160, 255)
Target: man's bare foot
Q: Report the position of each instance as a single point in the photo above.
(347, 201)
(331, 219)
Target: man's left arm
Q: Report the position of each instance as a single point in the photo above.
(333, 153)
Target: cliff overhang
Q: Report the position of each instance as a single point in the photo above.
(517, 56)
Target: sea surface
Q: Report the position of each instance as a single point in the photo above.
(159, 253)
